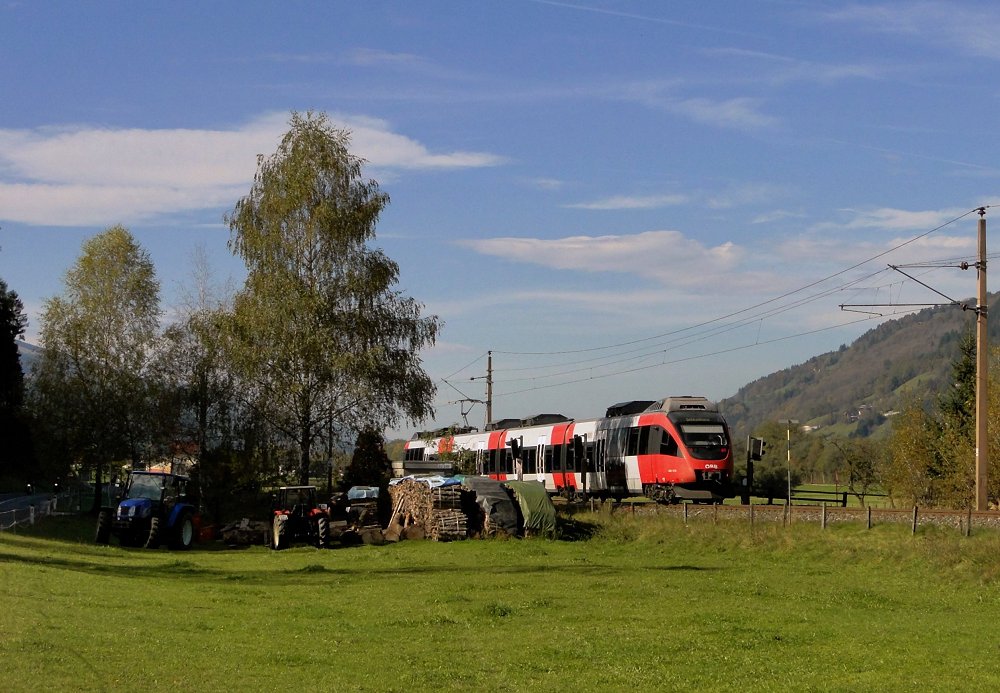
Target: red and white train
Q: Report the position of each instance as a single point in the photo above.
(670, 449)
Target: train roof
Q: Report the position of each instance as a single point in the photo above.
(687, 403)
(635, 406)
(446, 431)
(683, 403)
(533, 420)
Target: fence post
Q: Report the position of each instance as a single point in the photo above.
(914, 531)
(31, 514)
(751, 515)
(869, 517)
(823, 522)
(968, 523)
(715, 509)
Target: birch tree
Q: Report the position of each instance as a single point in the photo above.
(94, 388)
(319, 332)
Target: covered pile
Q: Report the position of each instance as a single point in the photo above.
(447, 509)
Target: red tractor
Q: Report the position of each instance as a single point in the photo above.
(297, 517)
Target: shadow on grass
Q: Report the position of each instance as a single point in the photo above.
(572, 529)
(311, 573)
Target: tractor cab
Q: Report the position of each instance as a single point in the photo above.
(297, 501)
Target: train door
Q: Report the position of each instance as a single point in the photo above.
(543, 455)
(612, 445)
(480, 457)
(563, 466)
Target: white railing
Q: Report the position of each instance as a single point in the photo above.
(27, 516)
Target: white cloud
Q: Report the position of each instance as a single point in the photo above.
(372, 139)
(780, 69)
(965, 29)
(896, 219)
(547, 183)
(666, 256)
(746, 194)
(740, 113)
(775, 215)
(84, 175)
(632, 202)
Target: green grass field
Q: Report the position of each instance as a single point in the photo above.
(646, 603)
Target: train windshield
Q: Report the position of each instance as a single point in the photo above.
(705, 441)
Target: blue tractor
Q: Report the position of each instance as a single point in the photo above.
(154, 509)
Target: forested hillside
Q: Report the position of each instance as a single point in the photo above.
(854, 387)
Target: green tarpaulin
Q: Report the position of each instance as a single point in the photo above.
(536, 507)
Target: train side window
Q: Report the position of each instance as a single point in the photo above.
(547, 455)
(530, 459)
(644, 447)
(668, 446)
(632, 443)
(570, 457)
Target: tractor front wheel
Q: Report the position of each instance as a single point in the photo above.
(153, 538)
(322, 532)
(103, 527)
(278, 537)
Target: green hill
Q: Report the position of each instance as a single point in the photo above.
(853, 389)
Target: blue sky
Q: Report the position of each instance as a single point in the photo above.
(621, 199)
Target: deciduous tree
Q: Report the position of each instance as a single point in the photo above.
(319, 333)
(94, 388)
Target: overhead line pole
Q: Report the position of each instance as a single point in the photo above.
(982, 373)
(489, 387)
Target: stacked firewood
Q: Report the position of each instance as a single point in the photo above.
(449, 525)
(419, 510)
(244, 532)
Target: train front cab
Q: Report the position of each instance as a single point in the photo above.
(707, 457)
(672, 456)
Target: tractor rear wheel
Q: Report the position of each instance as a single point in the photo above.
(103, 527)
(183, 534)
(322, 532)
(153, 538)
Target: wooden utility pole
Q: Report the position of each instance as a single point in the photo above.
(982, 372)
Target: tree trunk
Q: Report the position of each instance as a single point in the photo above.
(95, 508)
(305, 445)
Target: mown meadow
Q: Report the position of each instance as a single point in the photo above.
(632, 602)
